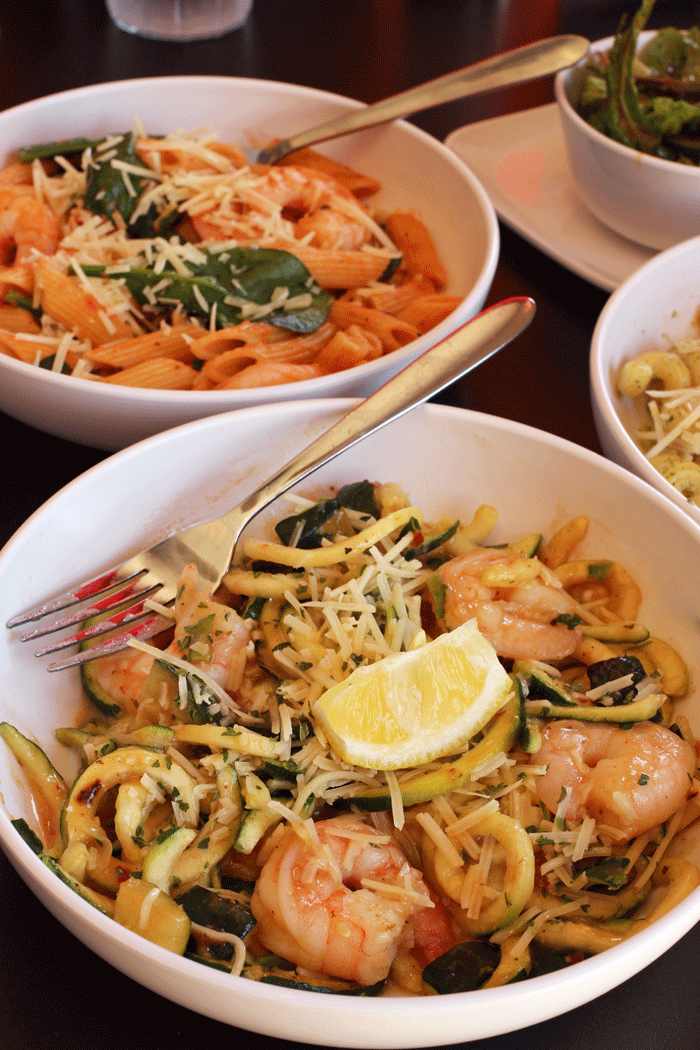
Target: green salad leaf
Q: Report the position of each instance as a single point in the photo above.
(620, 97)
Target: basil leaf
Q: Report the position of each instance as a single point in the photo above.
(226, 274)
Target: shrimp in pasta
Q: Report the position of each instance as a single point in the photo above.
(26, 226)
(630, 780)
(516, 610)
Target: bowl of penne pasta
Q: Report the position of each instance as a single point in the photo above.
(150, 275)
(645, 376)
(199, 811)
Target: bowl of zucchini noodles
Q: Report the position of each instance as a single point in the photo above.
(644, 380)
(439, 878)
(151, 276)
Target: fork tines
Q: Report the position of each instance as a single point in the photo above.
(91, 589)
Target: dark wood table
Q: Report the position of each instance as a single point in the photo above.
(54, 992)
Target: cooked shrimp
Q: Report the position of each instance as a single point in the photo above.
(514, 612)
(26, 225)
(629, 779)
(312, 200)
(207, 633)
(320, 905)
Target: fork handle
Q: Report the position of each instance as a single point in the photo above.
(427, 375)
(512, 67)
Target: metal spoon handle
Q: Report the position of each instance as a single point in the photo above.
(512, 67)
(427, 375)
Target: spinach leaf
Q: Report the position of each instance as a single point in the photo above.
(106, 190)
(617, 667)
(358, 497)
(47, 362)
(56, 149)
(229, 278)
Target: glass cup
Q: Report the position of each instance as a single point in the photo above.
(179, 19)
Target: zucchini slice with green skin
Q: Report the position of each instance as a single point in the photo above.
(638, 711)
(97, 900)
(527, 546)
(232, 738)
(620, 633)
(568, 935)
(499, 735)
(47, 786)
(518, 878)
(162, 857)
(93, 688)
(325, 985)
(256, 823)
(219, 910)
(202, 856)
(541, 685)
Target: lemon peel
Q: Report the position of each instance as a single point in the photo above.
(416, 706)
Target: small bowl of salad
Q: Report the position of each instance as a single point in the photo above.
(630, 114)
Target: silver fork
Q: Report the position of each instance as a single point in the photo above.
(512, 67)
(119, 596)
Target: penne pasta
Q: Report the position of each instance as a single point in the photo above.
(190, 269)
(414, 242)
(392, 331)
(346, 349)
(426, 311)
(16, 319)
(335, 268)
(65, 300)
(175, 343)
(163, 373)
(359, 184)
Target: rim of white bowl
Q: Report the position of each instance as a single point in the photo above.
(319, 387)
(561, 81)
(642, 949)
(601, 386)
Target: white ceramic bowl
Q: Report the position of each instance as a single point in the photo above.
(416, 172)
(651, 201)
(652, 308)
(449, 461)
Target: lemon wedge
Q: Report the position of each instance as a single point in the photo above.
(416, 706)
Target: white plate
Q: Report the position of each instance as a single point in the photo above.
(521, 162)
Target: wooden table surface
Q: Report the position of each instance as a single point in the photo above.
(54, 992)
